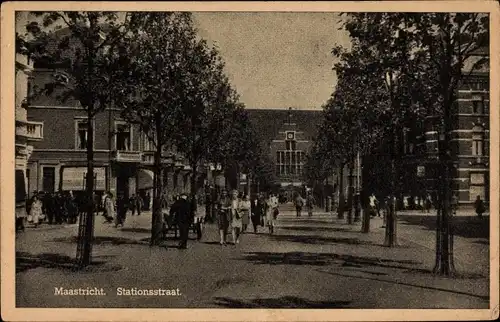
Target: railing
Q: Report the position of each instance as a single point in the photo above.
(34, 130)
(148, 157)
(128, 156)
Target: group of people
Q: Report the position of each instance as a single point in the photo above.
(235, 212)
(424, 204)
(116, 210)
(55, 208)
(300, 202)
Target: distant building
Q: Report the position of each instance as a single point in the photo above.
(287, 135)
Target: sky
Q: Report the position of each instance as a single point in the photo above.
(276, 60)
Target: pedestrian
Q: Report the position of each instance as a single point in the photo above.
(109, 208)
(479, 205)
(236, 220)
(169, 216)
(198, 218)
(244, 207)
(223, 215)
(72, 208)
(121, 210)
(428, 203)
(49, 206)
(257, 209)
(310, 204)
(35, 210)
(270, 215)
(183, 215)
(373, 206)
(132, 205)
(299, 203)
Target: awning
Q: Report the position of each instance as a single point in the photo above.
(145, 179)
(74, 178)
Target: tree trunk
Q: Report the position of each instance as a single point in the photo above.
(350, 195)
(340, 209)
(390, 226)
(157, 220)
(86, 223)
(444, 235)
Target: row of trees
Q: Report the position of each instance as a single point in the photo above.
(161, 75)
(402, 69)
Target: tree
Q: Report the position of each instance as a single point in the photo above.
(381, 56)
(158, 87)
(81, 51)
(208, 106)
(449, 42)
(422, 57)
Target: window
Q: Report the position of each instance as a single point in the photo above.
(477, 107)
(477, 187)
(48, 181)
(123, 137)
(82, 134)
(477, 144)
(291, 145)
(147, 145)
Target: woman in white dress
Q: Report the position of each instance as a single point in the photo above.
(270, 209)
(236, 221)
(35, 211)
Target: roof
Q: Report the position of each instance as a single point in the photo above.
(268, 122)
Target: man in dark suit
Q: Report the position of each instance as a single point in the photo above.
(183, 219)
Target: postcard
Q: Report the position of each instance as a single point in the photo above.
(255, 161)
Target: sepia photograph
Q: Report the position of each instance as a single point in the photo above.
(181, 158)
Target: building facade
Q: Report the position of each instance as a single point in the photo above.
(28, 132)
(469, 142)
(123, 156)
(287, 136)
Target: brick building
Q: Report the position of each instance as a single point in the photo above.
(287, 135)
(469, 142)
(123, 155)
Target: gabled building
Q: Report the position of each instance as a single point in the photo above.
(287, 135)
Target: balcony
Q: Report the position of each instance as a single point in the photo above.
(148, 158)
(34, 131)
(127, 156)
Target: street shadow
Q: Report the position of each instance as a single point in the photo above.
(101, 240)
(280, 302)
(26, 261)
(323, 259)
(211, 243)
(136, 230)
(463, 226)
(308, 228)
(308, 221)
(483, 298)
(308, 239)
